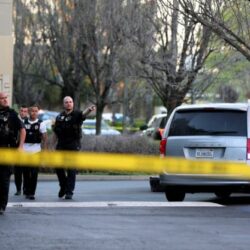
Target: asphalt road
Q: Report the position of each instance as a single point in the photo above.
(123, 214)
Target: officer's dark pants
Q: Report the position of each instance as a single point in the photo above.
(19, 179)
(67, 178)
(30, 180)
(5, 173)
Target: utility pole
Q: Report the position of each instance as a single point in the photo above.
(6, 48)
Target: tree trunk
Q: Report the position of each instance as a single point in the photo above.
(99, 111)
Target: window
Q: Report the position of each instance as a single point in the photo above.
(209, 122)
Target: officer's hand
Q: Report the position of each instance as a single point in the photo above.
(92, 108)
(20, 148)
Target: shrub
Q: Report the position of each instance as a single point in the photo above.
(122, 144)
(130, 144)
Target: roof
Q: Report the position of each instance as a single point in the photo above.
(233, 106)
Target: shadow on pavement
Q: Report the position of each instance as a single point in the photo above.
(233, 200)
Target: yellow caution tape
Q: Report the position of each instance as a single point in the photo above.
(123, 162)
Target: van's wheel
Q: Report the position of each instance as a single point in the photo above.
(223, 194)
(175, 195)
(155, 184)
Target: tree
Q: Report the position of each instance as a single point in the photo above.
(173, 48)
(27, 57)
(228, 94)
(80, 48)
(83, 40)
(230, 68)
(100, 28)
(59, 34)
(228, 19)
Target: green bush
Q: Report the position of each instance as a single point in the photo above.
(122, 144)
(130, 144)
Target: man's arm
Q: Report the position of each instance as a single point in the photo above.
(54, 140)
(88, 110)
(43, 131)
(44, 143)
(22, 137)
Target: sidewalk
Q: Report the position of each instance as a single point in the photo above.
(88, 177)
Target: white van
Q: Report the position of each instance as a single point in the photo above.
(207, 131)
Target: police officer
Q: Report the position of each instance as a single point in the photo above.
(10, 126)
(19, 171)
(68, 131)
(36, 140)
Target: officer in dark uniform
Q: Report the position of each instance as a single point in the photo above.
(68, 131)
(10, 126)
(19, 171)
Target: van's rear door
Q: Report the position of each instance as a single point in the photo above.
(219, 134)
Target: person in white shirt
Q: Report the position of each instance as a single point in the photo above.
(36, 140)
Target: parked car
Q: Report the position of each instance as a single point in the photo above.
(155, 126)
(48, 117)
(210, 132)
(114, 118)
(89, 128)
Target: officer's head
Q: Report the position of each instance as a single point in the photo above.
(3, 100)
(68, 103)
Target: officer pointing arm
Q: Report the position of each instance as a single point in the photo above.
(89, 110)
(68, 132)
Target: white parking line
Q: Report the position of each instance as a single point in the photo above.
(65, 204)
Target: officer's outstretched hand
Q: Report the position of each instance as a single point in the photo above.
(89, 110)
(92, 108)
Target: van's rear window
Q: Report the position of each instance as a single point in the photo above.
(209, 122)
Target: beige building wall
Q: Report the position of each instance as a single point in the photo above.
(6, 48)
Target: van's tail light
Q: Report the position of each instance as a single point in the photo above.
(163, 145)
(248, 148)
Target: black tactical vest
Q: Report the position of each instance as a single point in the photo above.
(33, 134)
(8, 134)
(68, 127)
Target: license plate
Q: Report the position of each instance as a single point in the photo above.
(204, 153)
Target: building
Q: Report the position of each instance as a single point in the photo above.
(6, 48)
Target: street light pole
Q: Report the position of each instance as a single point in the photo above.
(6, 48)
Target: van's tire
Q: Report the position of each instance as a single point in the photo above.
(155, 184)
(175, 195)
(222, 194)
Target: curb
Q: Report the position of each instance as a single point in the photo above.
(80, 177)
